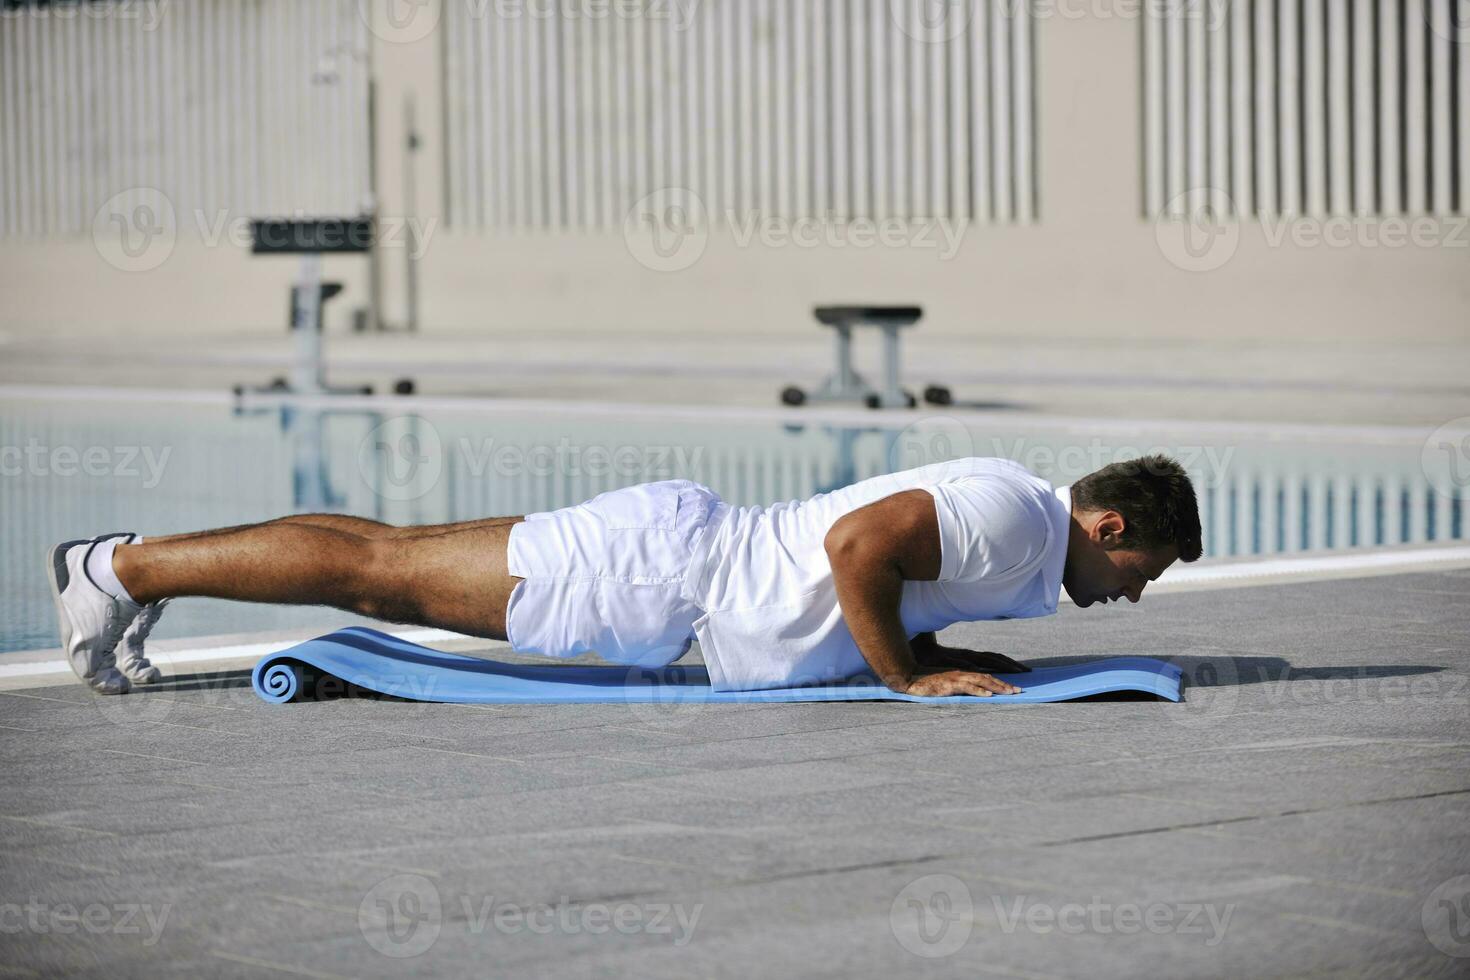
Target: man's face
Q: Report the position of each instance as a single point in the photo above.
(1099, 569)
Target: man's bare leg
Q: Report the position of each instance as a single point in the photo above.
(450, 576)
(361, 526)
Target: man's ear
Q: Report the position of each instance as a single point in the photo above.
(1108, 529)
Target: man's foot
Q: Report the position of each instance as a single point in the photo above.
(92, 621)
(132, 661)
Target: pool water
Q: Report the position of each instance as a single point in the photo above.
(75, 469)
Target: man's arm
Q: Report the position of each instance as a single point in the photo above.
(873, 551)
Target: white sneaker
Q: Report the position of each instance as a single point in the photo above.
(92, 622)
(132, 661)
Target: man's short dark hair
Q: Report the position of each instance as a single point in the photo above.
(1155, 497)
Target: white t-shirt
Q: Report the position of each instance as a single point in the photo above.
(771, 613)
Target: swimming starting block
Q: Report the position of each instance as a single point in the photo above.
(360, 659)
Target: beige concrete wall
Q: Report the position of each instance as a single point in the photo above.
(1091, 266)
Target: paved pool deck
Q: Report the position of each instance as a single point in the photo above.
(1304, 812)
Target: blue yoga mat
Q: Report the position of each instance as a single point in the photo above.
(375, 661)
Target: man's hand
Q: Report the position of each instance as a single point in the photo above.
(958, 682)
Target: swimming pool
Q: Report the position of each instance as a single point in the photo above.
(80, 463)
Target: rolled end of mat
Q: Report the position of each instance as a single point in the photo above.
(279, 681)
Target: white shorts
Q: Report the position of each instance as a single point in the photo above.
(609, 575)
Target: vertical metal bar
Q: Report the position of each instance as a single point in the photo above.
(536, 116)
(658, 100)
(1364, 137)
(1314, 71)
(609, 109)
(1289, 87)
(880, 29)
(901, 131)
(1267, 200)
(841, 92)
(729, 127)
(1416, 129)
(922, 196)
(1218, 28)
(516, 37)
(1176, 88)
(1440, 89)
(1339, 101)
(801, 89)
(711, 52)
(939, 131)
(1390, 174)
(1197, 111)
(1462, 102)
(551, 111)
(1155, 177)
(588, 121)
(1000, 81)
(746, 137)
(959, 126)
(1242, 152)
(821, 116)
(1025, 195)
(763, 43)
(858, 39)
